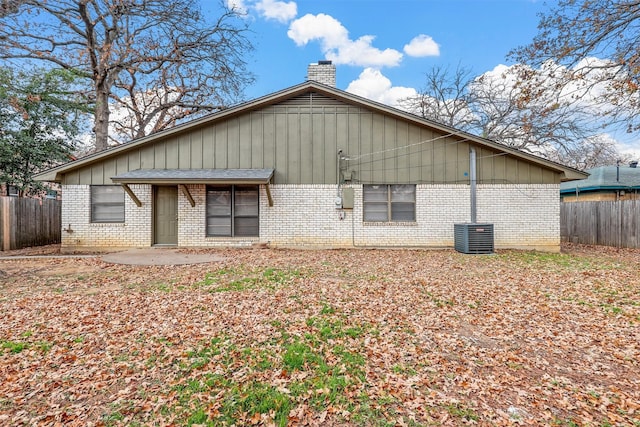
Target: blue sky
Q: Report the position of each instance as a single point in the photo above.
(473, 33)
(382, 49)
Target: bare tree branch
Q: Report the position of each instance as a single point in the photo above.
(574, 31)
(546, 121)
(125, 48)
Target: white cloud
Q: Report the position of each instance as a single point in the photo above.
(372, 84)
(237, 5)
(278, 10)
(586, 92)
(630, 149)
(337, 46)
(422, 45)
(587, 95)
(626, 145)
(323, 27)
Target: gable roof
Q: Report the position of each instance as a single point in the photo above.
(605, 178)
(56, 173)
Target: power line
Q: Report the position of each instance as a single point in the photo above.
(426, 141)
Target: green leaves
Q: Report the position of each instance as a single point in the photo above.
(40, 120)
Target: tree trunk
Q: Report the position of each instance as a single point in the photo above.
(101, 125)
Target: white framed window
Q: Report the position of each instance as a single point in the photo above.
(389, 203)
(13, 191)
(107, 203)
(233, 210)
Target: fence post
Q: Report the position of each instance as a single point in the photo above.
(6, 224)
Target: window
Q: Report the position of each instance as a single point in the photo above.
(232, 210)
(389, 203)
(107, 203)
(12, 191)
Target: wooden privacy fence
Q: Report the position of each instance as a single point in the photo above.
(28, 222)
(601, 223)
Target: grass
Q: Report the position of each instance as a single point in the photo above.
(15, 347)
(317, 368)
(242, 279)
(551, 261)
(462, 412)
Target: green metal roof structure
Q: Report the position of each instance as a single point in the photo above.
(605, 178)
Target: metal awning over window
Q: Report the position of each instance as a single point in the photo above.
(194, 176)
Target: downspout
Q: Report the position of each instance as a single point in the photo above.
(338, 174)
(472, 178)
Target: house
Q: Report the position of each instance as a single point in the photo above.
(308, 166)
(52, 191)
(9, 190)
(605, 183)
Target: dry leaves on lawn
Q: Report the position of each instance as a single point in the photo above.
(342, 337)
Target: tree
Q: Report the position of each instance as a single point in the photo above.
(550, 124)
(123, 48)
(594, 44)
(446, 98)
(40, 120)
(598, 150)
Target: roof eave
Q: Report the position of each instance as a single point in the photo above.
(48, 176)
(573, 175)
(568, 173)
(174, 181)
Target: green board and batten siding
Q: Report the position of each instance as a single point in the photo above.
(300, 137)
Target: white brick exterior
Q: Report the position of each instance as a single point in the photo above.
(323, 72)
(79, 232)
(524, 216)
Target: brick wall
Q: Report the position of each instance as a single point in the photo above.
(323, 72)
(524, 216)
(76, 216)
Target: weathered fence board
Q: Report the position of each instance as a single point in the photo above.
(601, 223)
(28, 222)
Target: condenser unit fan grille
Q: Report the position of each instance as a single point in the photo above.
(473, 238)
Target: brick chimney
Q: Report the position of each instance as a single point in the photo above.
(323, 72)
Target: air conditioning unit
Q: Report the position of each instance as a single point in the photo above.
(473, 238)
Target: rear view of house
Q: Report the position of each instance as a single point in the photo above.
(309, 166)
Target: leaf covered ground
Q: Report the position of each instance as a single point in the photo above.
(334, 337)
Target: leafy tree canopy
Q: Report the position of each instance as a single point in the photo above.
(40, 119)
